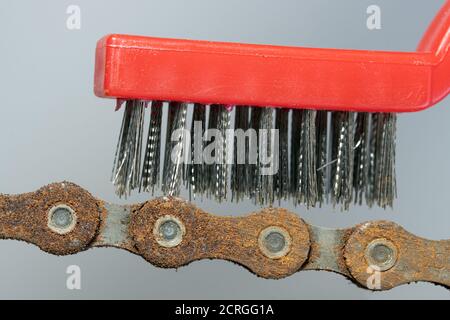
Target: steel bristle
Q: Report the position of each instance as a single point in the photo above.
(282, 176)
(266, 189)
(150, 173)
(195, 179)
(264, 154)
(176, 150)
(239, 172)
(126, 174)
(321, 155)
(343, 152)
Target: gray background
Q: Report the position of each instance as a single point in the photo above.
(53, 128)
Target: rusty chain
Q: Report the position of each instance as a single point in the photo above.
(63, 218)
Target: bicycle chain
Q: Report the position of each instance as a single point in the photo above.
(273, 243)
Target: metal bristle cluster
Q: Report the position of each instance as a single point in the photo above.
(126, 174)
(264, 154)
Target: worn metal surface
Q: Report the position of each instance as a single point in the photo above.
(113, 231)
(25, 217)
(326, 249)
(206, 236)
(418, 259)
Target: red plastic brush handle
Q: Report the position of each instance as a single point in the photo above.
(136, 67)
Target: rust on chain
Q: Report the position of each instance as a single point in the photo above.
(272, 243)
(215, 237)
(416, 259)
(25, 217)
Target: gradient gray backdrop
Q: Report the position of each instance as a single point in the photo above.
(53, 128)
